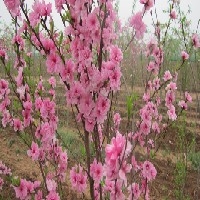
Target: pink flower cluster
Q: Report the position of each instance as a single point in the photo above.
(4, 102)
(156, 52)
(26, 189)
(195, 40)
(148, 4)
(3, 54)
(40, 10)
(138, 24)
(78, 179)
(13, 7)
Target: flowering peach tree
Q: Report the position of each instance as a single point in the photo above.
(87, 60)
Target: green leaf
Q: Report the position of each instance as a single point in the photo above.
(129, 105)
(60, 39)
(15, 181)
(51, 26)
(152, 154)
(16, 104)
(130, 102)
(37, 28)
(8, 67)
(67, 17)
(184, 19)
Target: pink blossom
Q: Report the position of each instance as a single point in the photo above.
(148, 171)
(26, 117)
(45, 132)
(152, 67)
(96, 171)
(182, 104)
(4, 90)
(27, 105)
(146, 97)
(38, 196)
(17, 125)
(89, 124)
(13, 7)
(188, 97)
(42, 9)
(47, 108)
(155, 127)
(145, 115)
(75, 93)
(171, 113)
(92, 21)
(4, 104)
(3, 54)
(134, 163)
(30, 187)
(21, 91)
(21, 191)
(103, 104)
(138, 24)
(19, 77)
(52, 81)
(101, 109)
(156, 83)
(114, 77)
(173, 14)
(86, 105)
(158, 55)
(116, 191)
(184, 55)
(53, 195)
(63, 157)
(151, 46)
(6, 118)
(117, 119)
(125, 168)
(17, 39)
(108, 185)
(38, 103)
(34, 152)
(167, 76)
(67, 71)
(171, 86)
(51, 185)
(19, 62)
(78, 179)
(59, 5)
(48, 44)
(53, 63)
(115, 149)
(195, 40)
(170, 98)
(36, 184)
(29, 54)
(147, 3)
(134, 191)
(145, 127)
(62, 166)
(85, 55)
(52, 93)
(115, 54)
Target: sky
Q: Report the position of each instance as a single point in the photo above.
(125, 10)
